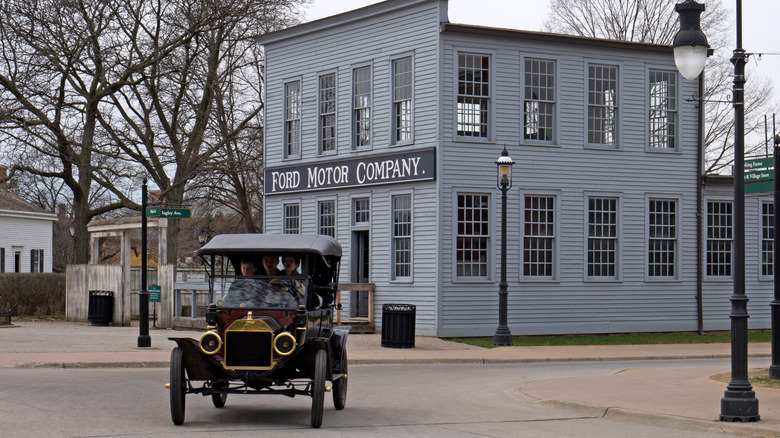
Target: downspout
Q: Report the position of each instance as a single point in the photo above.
(700, 208)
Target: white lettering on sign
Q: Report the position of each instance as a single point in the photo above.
(325, 176)
(285, 180)
(388, 169)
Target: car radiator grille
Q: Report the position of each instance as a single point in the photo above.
(248, 349)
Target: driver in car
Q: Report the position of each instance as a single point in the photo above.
(256, 292)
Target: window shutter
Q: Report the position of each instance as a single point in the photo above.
(2, 260)
(40, 260)
(32, 260)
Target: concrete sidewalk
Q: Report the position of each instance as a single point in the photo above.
(685, 397)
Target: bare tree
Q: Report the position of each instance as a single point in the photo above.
(655, 21)
(190, 112)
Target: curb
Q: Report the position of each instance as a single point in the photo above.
(654, 419)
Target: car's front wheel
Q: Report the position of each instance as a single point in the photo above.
(318, 387)
(178, 386)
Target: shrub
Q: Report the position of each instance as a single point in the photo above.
(32, 294)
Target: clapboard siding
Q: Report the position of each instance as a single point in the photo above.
(571, 171)
(568, 169)
(23, 232)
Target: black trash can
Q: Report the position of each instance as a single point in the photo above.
(398, 325)
(101, 307)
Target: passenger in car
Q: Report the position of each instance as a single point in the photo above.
(258, 292)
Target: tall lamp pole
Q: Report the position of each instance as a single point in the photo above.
(739, 402)
(504, 182)
(774, 368)
(144, 340)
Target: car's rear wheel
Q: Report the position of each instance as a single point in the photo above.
(318, 387)
(340, 386)
(178, 386)
(219, 400)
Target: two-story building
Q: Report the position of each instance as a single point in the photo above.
(382, 129)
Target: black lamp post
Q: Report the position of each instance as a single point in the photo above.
(504, 182)
(739, 403)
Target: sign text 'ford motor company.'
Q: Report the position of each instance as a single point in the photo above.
(370, 170)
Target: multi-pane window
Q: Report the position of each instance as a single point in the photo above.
(292, 219)
(539, 100)
(402, 100)
(539, 236)
(327, 112)
(402, 236)
(663, 109)
(602, 237)
(719, 238)
(767, 239)
(602, 105)
(36, 260)
(326, 222)
(361, 211)
(662, 238)
(361, 106)
(292, 119)
(473, 95)
(471, 253)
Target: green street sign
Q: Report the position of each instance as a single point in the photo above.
(759, 163)
(153, 211)
(176, 213)
(759, 187)
(759, 176)
(154, 293)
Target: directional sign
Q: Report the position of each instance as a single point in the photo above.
(759, 163)
(177, 213)
(767, 186)
(154, 293)
(759, 176)
(153, 211)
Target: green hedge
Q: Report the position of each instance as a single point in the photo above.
(32, 294)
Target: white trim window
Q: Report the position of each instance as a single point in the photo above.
(361, 211)
(602, 105)
(719, 238)
(473, 101)
(539, 237)
(767, 239)
(473, 239)
(402, 100)
(662, 239)
(292, 218)
(36, 260)
(326, 223)
(663, 109)
(539, 116)
(327, 88)
(602, 237)
(402, 236)
(292, 119)
(361, 106)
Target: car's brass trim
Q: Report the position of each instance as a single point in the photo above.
(248, 325)
(281, 336)
(219, 342)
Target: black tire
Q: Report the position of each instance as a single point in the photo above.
(219, 400)
(340, 386)
(318, 387)
(178, 386)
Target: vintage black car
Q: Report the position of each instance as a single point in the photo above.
(270, 331)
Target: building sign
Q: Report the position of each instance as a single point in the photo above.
(356, 172)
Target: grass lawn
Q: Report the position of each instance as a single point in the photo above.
(621, 339)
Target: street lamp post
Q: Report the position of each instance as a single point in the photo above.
(739, 402)
(504, 182)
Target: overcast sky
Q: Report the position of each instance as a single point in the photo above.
(760, 18)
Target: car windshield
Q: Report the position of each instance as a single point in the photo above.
(260, 281)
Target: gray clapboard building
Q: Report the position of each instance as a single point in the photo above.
(382, 128)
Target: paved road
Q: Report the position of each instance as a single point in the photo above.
(464, 400)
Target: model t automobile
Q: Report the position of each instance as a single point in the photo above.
(270, 329)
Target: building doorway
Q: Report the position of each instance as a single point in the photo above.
(361, 256)
(17, 261)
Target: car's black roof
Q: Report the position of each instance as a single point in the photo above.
(244, 243)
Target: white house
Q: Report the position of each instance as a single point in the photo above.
(26, 234)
